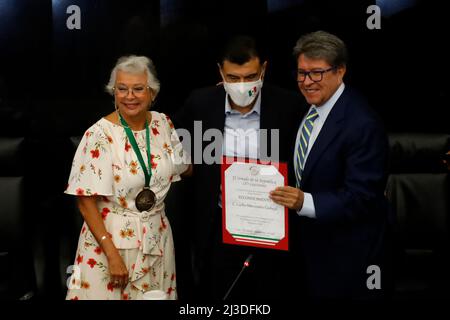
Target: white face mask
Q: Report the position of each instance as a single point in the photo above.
(243, 93)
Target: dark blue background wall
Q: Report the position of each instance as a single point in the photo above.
(47, 69)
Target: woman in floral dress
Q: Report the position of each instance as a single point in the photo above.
(122, 251)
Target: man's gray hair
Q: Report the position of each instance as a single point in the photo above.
(322, 45)
(134, 65)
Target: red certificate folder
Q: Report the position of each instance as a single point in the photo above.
(251, 240)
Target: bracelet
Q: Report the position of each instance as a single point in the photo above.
(104, 237)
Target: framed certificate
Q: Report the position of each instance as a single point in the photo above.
(249, 216)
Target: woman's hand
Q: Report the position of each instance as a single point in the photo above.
(93, 218)
(118, 271)
(289, 197)
(188, 172)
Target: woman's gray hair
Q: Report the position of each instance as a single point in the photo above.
(322, 45)
(134, 65)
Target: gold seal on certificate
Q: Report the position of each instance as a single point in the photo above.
(250, 217)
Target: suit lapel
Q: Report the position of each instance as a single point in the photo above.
(265, 110)
(216, 117)
(266, 116)
(332, 126)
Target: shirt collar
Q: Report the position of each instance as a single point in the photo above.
(256, 108)
(325, 109)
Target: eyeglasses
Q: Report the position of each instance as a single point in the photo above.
(137, 91)
(315, 75)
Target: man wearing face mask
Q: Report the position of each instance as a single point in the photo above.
(240, 107)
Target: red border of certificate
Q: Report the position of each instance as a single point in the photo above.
(283, 244)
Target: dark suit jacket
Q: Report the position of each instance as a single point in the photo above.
(346, 173)
(280, 109)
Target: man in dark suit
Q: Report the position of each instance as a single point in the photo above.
(240, 117)
(340, 225)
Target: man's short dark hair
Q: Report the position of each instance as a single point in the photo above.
(241, 49)
(322, 45)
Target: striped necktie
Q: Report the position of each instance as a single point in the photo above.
(303, 144)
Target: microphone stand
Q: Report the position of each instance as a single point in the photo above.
(245, 266)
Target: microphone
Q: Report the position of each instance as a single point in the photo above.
(245, 266)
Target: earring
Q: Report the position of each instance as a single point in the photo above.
(152, 103)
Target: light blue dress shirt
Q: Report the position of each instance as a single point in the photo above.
(308, 209)
(241, 133)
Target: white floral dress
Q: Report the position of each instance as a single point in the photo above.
(106, 165)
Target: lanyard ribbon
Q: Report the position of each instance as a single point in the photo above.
(147, 172)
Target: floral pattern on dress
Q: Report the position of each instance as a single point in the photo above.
(106, 165)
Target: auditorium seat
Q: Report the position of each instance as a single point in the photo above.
(54, 221)
(418, 190)
(16, 269)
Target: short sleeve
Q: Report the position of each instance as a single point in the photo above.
(180, 158)
(91, 172)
